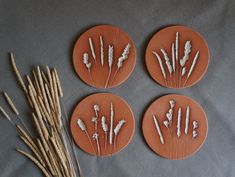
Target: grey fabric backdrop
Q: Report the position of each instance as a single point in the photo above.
(44, 32)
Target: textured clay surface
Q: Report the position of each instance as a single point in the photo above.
(163, 40)
(84, 110)
(111, 36)
(174, 147)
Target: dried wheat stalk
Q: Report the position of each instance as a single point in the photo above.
(15, 110)
(105, 129)
(158, 129)
(43, 169)
(10, 103)
(19, 78)
(51, 150)
(92, 49)
(6, 115)
(117, 130)
(110, 62)
(187, 120)
(161, 66)
(179, 122)
(192, 67)
(101, 51)
(18, 75)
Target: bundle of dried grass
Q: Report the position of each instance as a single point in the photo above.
(50, 146)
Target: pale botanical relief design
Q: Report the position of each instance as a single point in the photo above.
(176, 67)
(110, 131)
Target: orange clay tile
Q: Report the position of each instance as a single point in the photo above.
(174, 147)
(164, 39)
(84, 110)
(113, 36)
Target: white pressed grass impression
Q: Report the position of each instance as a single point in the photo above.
(195, 126)
(117, 130)
(105, 129)
(158, 129)
(88, 65)
(82, 126)
(177, 66)
(179, 122)
(110, 63)
(121, 60)
(92, 49)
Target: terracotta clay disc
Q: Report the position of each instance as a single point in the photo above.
(174, 147)
(99, 73)
(85, 111)
(164, 39)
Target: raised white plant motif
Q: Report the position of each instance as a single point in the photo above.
(195, 126)
(111, 126)
(179, 122)
(101, 51)
(88, 65)
(96, 138)
(176, 66)
(121, 59)
(92, 49)
(192, 67)
(161, 66)
(187, 120)
(117, 130)
(169, 114)
(158, 129)
(105, 129)
(82, 126)
(110, 62)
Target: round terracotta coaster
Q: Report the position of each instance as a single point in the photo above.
(177, 67)
(100, 45)
(85, 113)
(175, 143)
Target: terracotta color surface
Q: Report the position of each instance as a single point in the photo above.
(85, 111)
(174, 147)
(164, 39)
(113, 36)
